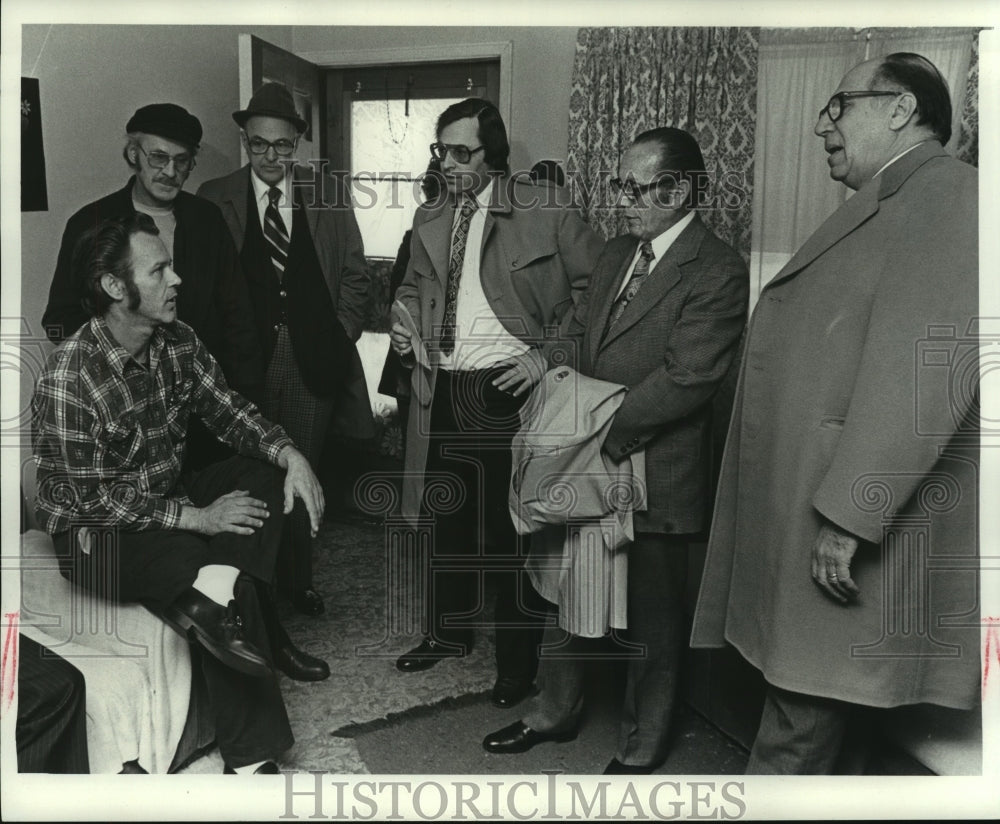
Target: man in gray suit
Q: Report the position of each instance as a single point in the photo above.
(663, 314)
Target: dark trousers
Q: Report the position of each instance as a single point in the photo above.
(472, 425)
(810, 735)
(51, 730)
(305, 418)
(657, 570)
(155, 566)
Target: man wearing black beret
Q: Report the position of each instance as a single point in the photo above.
(161, 150)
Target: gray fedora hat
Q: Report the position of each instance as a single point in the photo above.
(271, 100)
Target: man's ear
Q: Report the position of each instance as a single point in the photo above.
(903, 110)
(113, 286)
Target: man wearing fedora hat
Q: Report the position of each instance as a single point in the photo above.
(301, 250)
(161, 149)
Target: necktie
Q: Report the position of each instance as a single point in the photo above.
(639, 274)
(455, 264)
(275, 232)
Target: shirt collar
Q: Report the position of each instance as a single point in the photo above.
(115, 353)
(261, 189)
(897, 157)
(662, 242)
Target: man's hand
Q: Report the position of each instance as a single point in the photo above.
(235, 512)
(399, 337)
(525, 371)
(831, 563)
(301, 481)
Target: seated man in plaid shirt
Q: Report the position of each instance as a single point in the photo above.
(109, 416)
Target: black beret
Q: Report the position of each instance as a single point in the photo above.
(167, 120)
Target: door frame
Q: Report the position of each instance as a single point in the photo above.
(503, 49)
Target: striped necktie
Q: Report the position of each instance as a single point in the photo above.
(275, 232)
(455, 264)
(639, 274)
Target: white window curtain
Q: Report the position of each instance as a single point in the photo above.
(798, 69)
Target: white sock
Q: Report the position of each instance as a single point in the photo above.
(216, 581)
(248, 769)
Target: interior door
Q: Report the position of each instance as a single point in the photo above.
(262, 62)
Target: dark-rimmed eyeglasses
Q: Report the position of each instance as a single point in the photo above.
(183, 163)
(635, 191)
(258, 146)
(835, 107)
(462, 154)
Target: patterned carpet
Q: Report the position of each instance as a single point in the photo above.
(353, 636)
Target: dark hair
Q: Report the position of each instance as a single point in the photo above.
(107, 249)
(432, 182)
(680, 156)
(492, 132)
(917, 75)
(548, 171)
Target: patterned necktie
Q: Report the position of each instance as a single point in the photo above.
(275, 232)
(639, 274)
(455, 263)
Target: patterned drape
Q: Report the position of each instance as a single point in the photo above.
(967, 145)
(703, 80)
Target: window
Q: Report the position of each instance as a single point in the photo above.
(387, 122)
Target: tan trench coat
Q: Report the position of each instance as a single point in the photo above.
(534, 262)
(856, 376)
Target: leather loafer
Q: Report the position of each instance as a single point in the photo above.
(508, 692)
(218, 629)
(308, 602)
(267, 768)
(615, 767)
(299, 665)
(518, 737)
(427, 654)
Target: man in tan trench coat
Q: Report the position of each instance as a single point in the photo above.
(841, 558)
(494, 267)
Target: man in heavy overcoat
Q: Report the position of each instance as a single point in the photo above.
(841, 561)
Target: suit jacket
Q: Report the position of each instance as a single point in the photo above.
(534, 261)
(672, 348)
(213, 296)
(857, 383)
(339, 248)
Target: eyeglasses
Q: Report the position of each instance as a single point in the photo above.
(462, 154)
(259, 146)
(835, 108)
(635, 191)
(183, 163)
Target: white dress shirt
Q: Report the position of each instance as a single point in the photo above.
(481, 340)
(261, 189)
(661, 243)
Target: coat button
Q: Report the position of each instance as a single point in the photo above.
(275, 327)
(283, 293)
(433, 303)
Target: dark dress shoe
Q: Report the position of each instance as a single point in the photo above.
(508, 692)
(518, 737)
(427, 654)
(218, 629)
(308, 602)
(299, 665)
(615, 767)
(267, 768)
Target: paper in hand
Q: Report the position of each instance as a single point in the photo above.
(402, 314)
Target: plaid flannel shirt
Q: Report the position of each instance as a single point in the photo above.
(109, 434)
